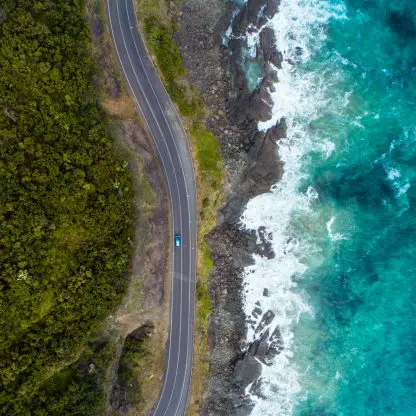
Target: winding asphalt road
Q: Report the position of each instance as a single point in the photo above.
(171, 143)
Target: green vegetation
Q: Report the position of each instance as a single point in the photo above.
(209, 164)
(66, 213)
(208, 153)
(135, 351)
(209, 172)
(162, 45)
(202, 292)
(79, 388)
(158, 29)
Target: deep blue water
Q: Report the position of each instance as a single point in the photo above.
(364, 292)
(355, 353)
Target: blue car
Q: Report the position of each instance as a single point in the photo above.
(178, 240)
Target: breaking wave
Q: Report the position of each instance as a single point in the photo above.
(287, 211)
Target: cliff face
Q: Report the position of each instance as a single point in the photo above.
(215, 65)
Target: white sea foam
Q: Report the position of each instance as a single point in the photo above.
(328, 147)
(403, 189)
(334, 236)
(252, 39)
(299, 28)
(286, 211)
(393, 174)
(401, 185)
(312, 193)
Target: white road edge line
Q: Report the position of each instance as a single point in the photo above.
(154, 140)
(180, 207)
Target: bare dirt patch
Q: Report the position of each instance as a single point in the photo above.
(121, 107)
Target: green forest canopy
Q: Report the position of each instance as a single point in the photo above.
(66, 201)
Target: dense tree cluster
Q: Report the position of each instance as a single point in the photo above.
(66, 199)
(133, 357)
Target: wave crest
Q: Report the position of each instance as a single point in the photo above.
(287, 211)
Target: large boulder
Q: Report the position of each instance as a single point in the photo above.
(246, 371)
(267, 48)
(267, 319)
(249, 368)
(262, 350)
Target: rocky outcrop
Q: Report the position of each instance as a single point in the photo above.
(267, 48)
(249, 368)
(232, 250)
(261, 351)
(214, 65)
(254, 14)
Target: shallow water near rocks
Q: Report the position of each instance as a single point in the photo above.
(343, 282)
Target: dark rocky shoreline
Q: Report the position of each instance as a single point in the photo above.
(252, 167)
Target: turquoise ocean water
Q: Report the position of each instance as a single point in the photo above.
(343, 283)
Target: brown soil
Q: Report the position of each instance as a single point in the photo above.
(121, 107)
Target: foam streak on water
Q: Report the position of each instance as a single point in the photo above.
(287, 212)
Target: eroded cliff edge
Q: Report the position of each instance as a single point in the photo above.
(213, 45)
